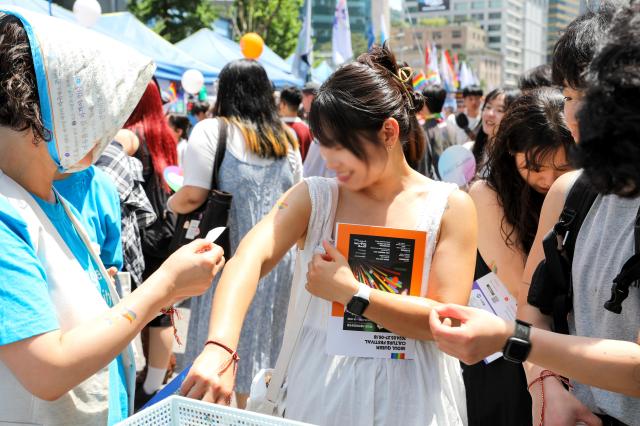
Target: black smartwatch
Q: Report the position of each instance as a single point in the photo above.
(518, 346)
(360, 301)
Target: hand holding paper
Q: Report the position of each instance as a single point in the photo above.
(214, 234)
(329, 276)
(480, 333)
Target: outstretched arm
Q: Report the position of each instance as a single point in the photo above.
(260, 250)
(50, 364)
(608, 364)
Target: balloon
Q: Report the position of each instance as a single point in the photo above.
(174, 177)
(87, 12)
(251, 45)
(457, 165)
(192, 81)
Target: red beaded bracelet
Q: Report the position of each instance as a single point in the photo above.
(233, 360)
(171, 311)
(543, 375)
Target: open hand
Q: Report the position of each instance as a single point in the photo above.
(329, 276)
(206, 381)
(561, 408)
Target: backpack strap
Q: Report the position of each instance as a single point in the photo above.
(629, 274)
(559, 246)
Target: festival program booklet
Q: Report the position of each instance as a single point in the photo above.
(386, 259)
(490, 294)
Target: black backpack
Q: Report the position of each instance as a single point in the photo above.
(551, 288)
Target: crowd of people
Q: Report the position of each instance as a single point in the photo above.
(88, 220)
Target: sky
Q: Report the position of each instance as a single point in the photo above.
(395, 4)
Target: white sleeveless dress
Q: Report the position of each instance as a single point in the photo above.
(339, 390)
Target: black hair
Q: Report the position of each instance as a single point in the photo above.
(575, 47)
(609, 119)
(181, 122)
(473, 90)
(434, 98)
(533, 125)
(245, 97)
(354, 102)
(292, 97)
(200, 107)
(536, 77)
(480, 144)
(19, 100)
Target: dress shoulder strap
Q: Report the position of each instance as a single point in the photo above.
(430, 220)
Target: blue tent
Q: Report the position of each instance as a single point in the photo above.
(41, 6)
(322, 72)
(213, 49)
(171, 61)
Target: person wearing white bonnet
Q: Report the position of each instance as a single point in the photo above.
(65, 336)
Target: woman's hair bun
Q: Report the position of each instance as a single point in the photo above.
(380, 57)
(417, 99)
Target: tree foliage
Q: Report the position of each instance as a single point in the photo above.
(277, 21)
(174, 19)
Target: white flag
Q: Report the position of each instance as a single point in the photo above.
(383, 30)
(302, 58)
(466, 76)
(341, 35)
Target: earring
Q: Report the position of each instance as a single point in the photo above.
(389, 147)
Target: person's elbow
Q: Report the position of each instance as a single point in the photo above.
(187, 200)
(48, 394)
(46, 387)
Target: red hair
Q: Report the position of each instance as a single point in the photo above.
(148, 122)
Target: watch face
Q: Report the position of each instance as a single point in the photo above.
(357, 306)
(516, 350)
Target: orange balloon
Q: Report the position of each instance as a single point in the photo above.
(251, 45)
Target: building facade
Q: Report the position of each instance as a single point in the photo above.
(467, 39)
(515, 28)
(561, 13)
(323, 11)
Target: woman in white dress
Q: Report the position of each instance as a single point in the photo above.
(362, 117)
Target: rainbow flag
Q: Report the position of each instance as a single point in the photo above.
(419, 81)
(172, 91)
(452, 68)
(397, 356)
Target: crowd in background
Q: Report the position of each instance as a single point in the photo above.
(362, 148)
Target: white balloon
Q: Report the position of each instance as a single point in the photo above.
(192, 81)
(87, 12)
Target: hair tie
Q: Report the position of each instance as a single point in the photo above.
(404, 74)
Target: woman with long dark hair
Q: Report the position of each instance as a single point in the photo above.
(262, 162)
(157, 150)
(527, 156)
(493, 109)
(363, 116)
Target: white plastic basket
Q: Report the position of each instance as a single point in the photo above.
(178, 410)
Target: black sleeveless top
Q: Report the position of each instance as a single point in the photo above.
(497, 393)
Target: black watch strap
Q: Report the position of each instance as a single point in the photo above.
(523, 330)
(518, 346)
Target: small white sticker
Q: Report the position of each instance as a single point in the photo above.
(193, 230)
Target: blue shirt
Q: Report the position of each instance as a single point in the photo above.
(96, 197)
(25, 307)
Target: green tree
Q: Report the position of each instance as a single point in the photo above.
(359, 44)
(174, 19)
(277, 21)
